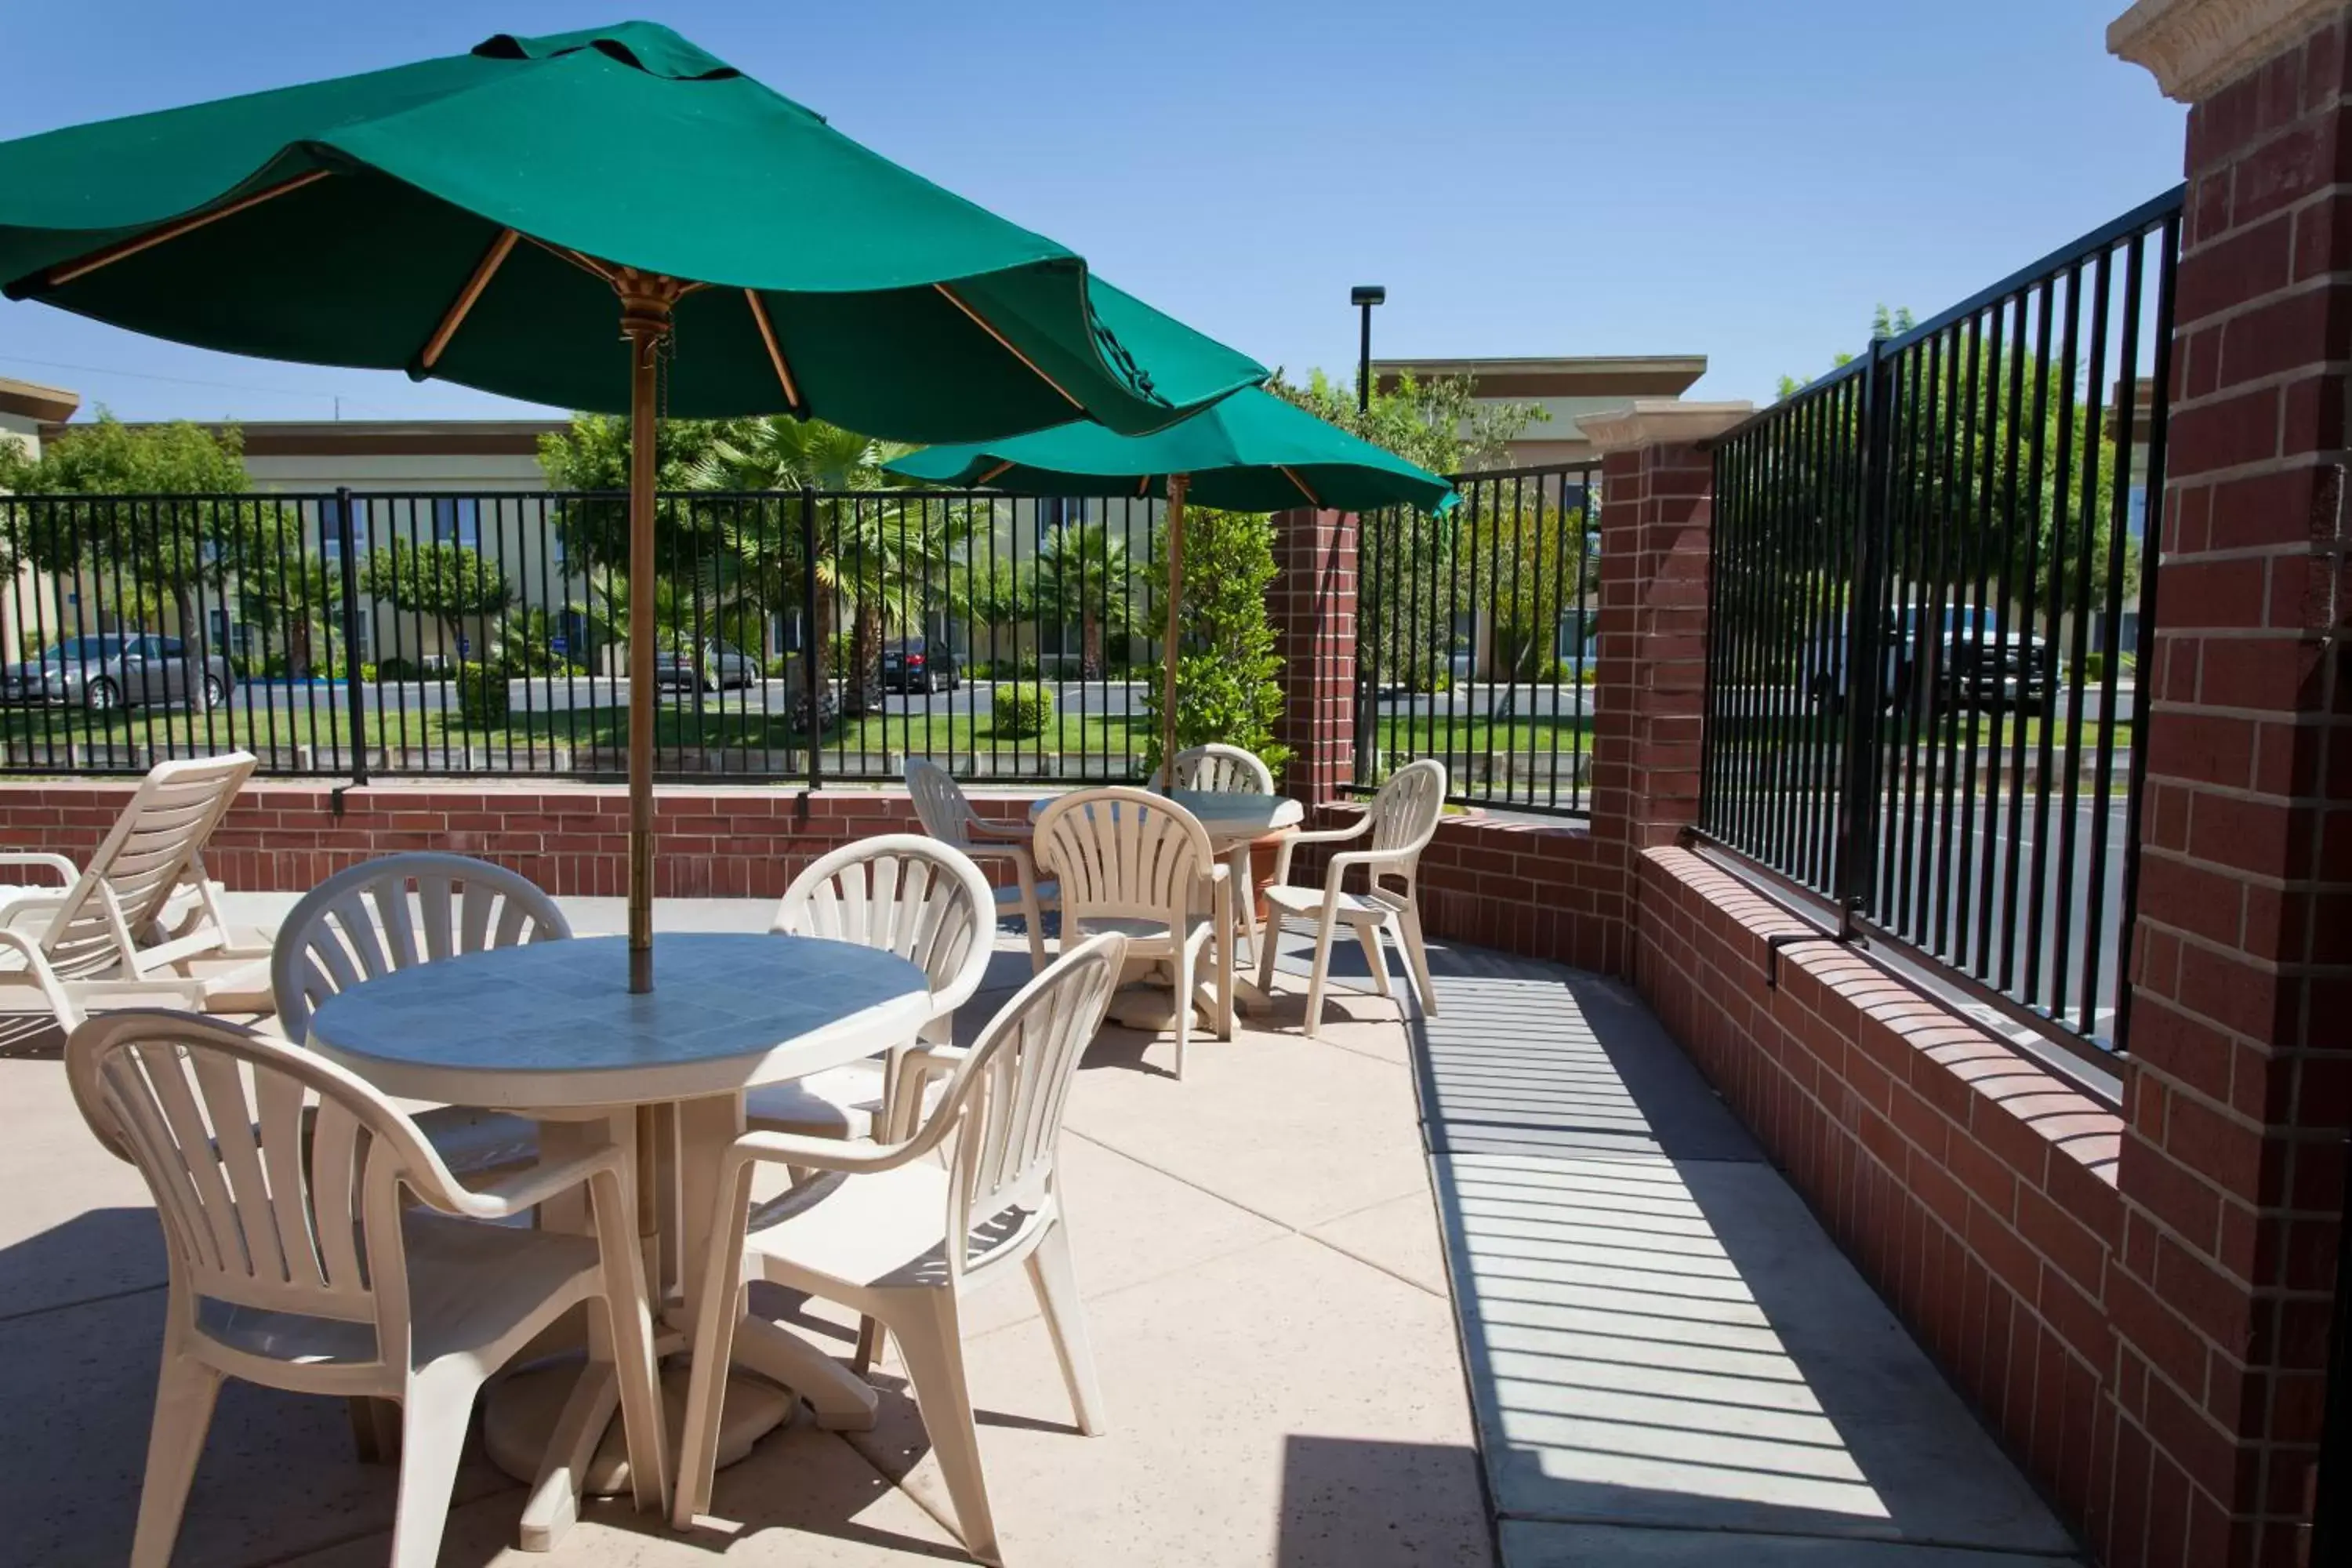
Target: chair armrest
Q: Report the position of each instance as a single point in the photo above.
(820, 1154)
(1290, 843)
(910, 1076)
(65, 868)
(1014, 832)
(526, 1190)
(17, 901)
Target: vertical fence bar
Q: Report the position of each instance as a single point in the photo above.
(354, 687)
(811, 660)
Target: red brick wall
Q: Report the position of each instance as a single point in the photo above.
(2232, 1171)
(1649, 689)
(569, 839)
(1975, 1188)
(1313, 606)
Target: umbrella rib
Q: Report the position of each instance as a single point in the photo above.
(991, 473)
(1143, 485)
(585, 263)
(775, 350)
(65, 272)
(982, 322)
(1291, 474)
(484, 271)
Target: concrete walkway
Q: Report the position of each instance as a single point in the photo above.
(1670, 1361)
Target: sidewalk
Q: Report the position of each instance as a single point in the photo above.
(1670, 1361)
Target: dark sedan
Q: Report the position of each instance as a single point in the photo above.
(919, 664)
(112, 671)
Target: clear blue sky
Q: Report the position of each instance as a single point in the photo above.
(1725, 177)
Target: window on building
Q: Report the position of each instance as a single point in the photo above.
(331, 531)
(458, 519)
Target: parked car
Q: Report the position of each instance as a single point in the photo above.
(1958, 654)
(919, 664)
(111, 671)
(715, 667)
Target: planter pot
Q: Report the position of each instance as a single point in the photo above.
(1261, 854)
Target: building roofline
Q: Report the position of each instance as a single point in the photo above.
(1524, 375)
(31, 400)
(378, 437)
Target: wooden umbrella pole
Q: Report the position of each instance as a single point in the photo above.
(1176, 487)
(645, 323)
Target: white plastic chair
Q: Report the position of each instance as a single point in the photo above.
(1401, 819)
(296, 1261)
(125, 930)
(946, 815)
(902, 1238)
(397, 911)
(903, 893)
(1137, 863)
(1221, 769)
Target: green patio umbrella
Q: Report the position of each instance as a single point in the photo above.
(1251, 452)
(609, 219)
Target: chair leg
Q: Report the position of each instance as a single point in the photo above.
(184, 1392)
(1222, 949)
(1323, 931)
(714, 1349)
(1417, 957)
(873, 1344)
(1369, 936)
(1181, 960)
(1033, 914)
(1057, 1284)
(433, 1416)
(930, 1341)
(1269, 938)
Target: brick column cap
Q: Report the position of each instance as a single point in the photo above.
(2194, 47)
(1661, 421)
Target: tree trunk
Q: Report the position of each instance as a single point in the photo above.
(1090, 660)
(864, 693)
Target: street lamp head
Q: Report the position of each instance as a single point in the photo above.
(1367, 294)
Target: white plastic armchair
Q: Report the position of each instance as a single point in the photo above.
(1221, 769)
(1139, 863)
(128, 928)
(1401, 821)
(946, 815)
(903, 1239)
(902, 893)
(397, 911)
(288, 1189)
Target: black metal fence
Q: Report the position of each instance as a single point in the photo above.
(1934, 591)
(801, 635)
(1472, 638)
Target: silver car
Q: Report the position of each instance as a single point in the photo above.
(111, 671)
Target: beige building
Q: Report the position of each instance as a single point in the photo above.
(1566, 388)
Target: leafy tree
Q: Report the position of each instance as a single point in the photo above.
(166, 551)
(1438, 425)
(593, 455)
(284, 586)
(1083, 567)
(1528, 560)
(1883, 324)
(1228, 676)
(451, 582)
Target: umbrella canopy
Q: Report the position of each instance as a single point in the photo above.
(468, 218)
(1251, 452)
(493, 218)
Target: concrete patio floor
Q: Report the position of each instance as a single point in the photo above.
(1667, 1362)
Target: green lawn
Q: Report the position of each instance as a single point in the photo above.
(1460, 736)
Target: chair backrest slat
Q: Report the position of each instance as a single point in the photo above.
(366, 923)
(275, 1172)
(1222, 769)
(919, 898)
(1123, 854)
(1005, 1102)
(1405, 814)
(941, 805)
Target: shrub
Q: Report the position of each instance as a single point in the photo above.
(481, 696)
(1021, 711)
(1228, 685)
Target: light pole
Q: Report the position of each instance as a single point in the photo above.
(1364, 295)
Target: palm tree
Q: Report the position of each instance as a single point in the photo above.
(869, 551)
(1083, 566)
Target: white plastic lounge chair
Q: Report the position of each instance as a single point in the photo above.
(132, 926)
(903, 1239)
(946, 815)
(298, 1260)
(1401, 819)
(1137, 863)
(903, 893)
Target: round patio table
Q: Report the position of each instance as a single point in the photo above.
(551, 1030)
(1234, 820)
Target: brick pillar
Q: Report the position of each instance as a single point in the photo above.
(1313, 603)
(2239, 1085)
(1649, 689)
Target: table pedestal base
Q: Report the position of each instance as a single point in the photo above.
(548, 1424)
